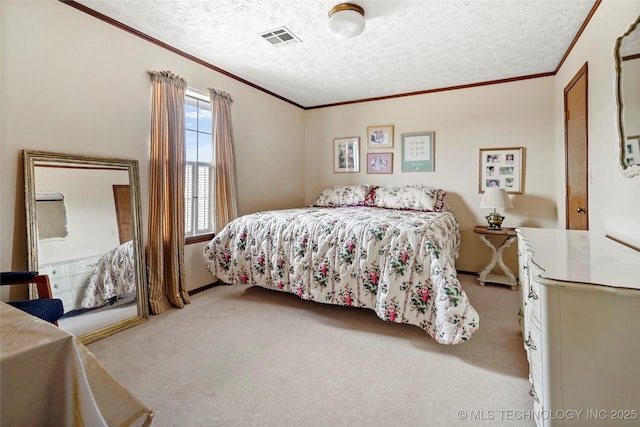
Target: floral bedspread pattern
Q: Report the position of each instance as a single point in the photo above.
(398, 263)
(114, 276)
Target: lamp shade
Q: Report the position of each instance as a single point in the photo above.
(495, 198)
(346, 20)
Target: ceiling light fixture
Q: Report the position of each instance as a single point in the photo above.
(346, 20)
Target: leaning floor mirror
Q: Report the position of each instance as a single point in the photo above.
(84, 231)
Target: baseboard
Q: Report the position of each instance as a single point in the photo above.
(471, 273)
(203, 288)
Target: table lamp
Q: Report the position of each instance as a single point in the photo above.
(495, 198)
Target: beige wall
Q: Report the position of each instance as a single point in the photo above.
(614, 201)
(71, 83)
(527, 113)
(74, 84)
(514, 114)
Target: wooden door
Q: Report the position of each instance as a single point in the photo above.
(576, 158)
(122, 198)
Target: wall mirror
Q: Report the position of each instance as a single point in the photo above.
(627, 56)
(83, 230)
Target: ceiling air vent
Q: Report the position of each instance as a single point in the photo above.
(280, 36)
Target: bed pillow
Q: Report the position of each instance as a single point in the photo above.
(343, 195)
(412, 197)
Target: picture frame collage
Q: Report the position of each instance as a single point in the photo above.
(418, 151)
(502, 168)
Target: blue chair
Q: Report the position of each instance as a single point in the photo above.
(45, 307)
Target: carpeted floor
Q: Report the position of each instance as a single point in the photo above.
(247, 356)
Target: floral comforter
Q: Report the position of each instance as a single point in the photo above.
(113, 277)
(399, 263)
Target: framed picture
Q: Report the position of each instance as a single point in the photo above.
(380, 136)
(418, 152)
(502, 168)
(379, 162)
(346, 154)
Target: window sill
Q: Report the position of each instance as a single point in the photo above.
(199, 238)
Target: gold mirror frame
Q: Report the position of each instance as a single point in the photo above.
(633, 170)
(30, 159)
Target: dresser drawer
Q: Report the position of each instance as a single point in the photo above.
(78, 296)
(533, 293)
(56, 270)
(60, 285)
(535, 374)
(523, 277)
(532, 343)
(524, 252)
(84, 266)
(535, 378)
(522, 265)
(67, 300)
(525, 284)
(80, 283)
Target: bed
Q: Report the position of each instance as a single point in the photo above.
(389, 249)
(113, 278)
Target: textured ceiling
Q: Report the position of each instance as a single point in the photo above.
(407, 46)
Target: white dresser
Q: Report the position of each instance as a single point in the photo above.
(69, 280)
(581, 327)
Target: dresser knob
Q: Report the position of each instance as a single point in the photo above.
(53, 271)
(55, 285)
(532, 295)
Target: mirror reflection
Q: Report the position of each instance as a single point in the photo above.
(52, 213)
(83, 218)
(627, 54)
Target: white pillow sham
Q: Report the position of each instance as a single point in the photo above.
(413, 197)
(343, 195)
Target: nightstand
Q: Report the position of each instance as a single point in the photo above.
(496, 257)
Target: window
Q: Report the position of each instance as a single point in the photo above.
(199, 165)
